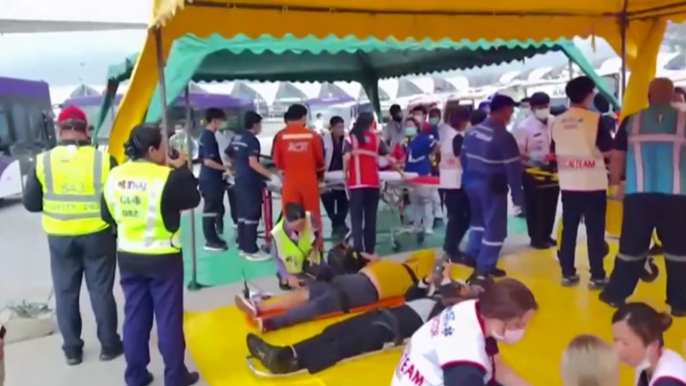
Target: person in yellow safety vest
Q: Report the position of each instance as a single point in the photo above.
(294, 249)
(65, 186)
(143, 198)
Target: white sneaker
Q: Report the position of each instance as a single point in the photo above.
(246, 305)
(256, 257)
(429, 231)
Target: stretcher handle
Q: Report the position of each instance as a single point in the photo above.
(266, 374)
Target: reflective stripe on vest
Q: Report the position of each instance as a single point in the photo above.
(678, 140)
(134, 197)
(72, 178)
(291, 254)
(358, 156)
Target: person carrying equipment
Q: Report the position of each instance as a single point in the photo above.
(491, 158)
(66, 186)
(580, 140)
(245, 152)
(294, 251)
(363, 334)
(460, 345)
(143, 199)
(541, 189)
(450, 173)
(379, 280)
(650, 146)
(298, 152)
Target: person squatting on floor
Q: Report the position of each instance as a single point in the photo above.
(490, 157)
(421, 147)
(212, 184)
(299, 154)
(335, 201)
(66, 186)
(580, 143)
(450, 174)
(541, 190)
(143, 200)
(649, 147)
(360, 166)
(244, 152)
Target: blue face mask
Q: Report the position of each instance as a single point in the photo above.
(410, 131)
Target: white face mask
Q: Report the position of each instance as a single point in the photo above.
(524, 112)
(542, 114)
(509, 336)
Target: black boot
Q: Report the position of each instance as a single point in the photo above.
(277, 359)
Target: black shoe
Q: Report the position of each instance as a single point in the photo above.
(678, 313)
(552, 242)
(465, 260)
(603, 297)
(421, 236)
(216, 246)
(597, 284)
(497, 272)
(149, 379)
(278, 360)
(656, 250)
(192, 379)
(569, 280)
(438, 222)
(540, 245)
(74, 359)
(107, 354)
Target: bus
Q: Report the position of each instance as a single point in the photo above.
(26, 129)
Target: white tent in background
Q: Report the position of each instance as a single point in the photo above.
(218, 88)
(354, 89)
(267, 90)
(311, 90)
(425, 83)
(508, 77)
(459, 82)
(538, 74)
(58, 16)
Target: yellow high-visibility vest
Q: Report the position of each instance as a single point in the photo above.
(133, 193)
(294, 255)
(72, 178)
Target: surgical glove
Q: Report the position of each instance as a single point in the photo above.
(275, 180)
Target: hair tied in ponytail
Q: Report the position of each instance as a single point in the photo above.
(665, 321)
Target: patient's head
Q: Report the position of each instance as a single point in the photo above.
(295, 217)
(589, 361)
(344, 259)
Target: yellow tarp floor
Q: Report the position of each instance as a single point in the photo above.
(216, 339)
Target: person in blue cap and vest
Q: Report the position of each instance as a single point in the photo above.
(491, 159)
(66, 186)
(649, 148)
(143, 199)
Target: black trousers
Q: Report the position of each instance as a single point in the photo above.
(93, 257)
(355, 336)
(213, 210)
(643, 214)
(233, 206)
(364, 202)
(457, 205)
(592, 206)
(336, 206)
(540, 201)
(249, 200)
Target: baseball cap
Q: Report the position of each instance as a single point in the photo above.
(73, 117)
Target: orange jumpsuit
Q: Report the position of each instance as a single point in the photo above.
(299, 154)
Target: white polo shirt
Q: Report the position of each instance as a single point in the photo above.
(533, 137)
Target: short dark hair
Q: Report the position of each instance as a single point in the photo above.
(579, 88)
(335, 120)
(295, 112)
(500, 102)
(644, 321)
(251, 119)
(435, 111)
(539, 99)
(419, 109)
(477, 116)
(141, 138)
(457, 115)
(395, 109)
(294, 212)
(214, 113)
(525, 100)
(601, 104)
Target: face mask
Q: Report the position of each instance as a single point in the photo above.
(410, 131)
(433, 121)
(510, 336)
(524, 111)
(542, 114)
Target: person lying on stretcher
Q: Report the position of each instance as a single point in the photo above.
(362, 334)
(378, 280)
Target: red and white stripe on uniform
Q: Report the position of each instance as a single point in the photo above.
(363, 171)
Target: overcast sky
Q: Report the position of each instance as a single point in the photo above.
(69, 58)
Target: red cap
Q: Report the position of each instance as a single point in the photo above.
(72, 114)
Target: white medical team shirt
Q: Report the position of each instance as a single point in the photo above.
(533, 136)
(455, 336)
(670, 367)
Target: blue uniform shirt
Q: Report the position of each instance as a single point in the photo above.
(209, 150)
(491, 153)
(242, 147)
(418, 154)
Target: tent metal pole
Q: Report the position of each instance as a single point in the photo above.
(624, 26)
(570, 67)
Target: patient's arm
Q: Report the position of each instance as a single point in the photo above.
(506, 376)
